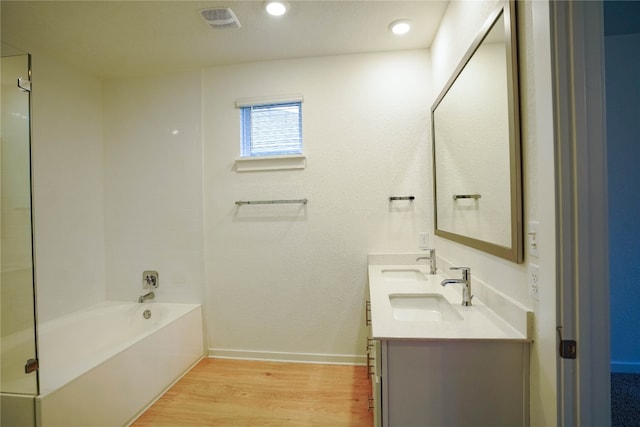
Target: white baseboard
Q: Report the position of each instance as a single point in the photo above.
(272, 356)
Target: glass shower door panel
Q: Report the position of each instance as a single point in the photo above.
(17, 318)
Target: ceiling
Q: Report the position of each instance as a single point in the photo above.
(112, 39)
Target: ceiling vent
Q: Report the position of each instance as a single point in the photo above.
(220, 18)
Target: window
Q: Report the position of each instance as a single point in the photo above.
(271, 129)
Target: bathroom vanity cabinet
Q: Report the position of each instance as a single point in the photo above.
(449, 383)
(433, 361)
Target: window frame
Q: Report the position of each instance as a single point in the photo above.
(246, 106)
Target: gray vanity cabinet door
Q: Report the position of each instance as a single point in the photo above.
(376, 382)
(455, 383)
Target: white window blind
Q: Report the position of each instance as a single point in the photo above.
(271, 129)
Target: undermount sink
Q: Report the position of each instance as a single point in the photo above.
(422, 308)
(406, 274)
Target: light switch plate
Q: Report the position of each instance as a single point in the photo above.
(423, 240)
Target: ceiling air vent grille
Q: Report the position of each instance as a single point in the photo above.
(220, 18)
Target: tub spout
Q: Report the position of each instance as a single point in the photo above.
(143, 298)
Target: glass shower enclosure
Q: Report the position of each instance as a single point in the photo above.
(18, 351)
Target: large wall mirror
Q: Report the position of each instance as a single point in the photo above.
(476, 145)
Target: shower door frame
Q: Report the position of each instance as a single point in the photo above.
(22, 403)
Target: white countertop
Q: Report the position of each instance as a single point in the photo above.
(478, 321)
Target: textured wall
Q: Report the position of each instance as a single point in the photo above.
(288, 281)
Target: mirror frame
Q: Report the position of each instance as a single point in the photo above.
(514, 252)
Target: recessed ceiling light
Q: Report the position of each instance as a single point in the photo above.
(400, 27)
(275, 8)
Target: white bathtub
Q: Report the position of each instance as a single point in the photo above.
(104, 365)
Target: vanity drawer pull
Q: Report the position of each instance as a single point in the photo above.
(370, 366)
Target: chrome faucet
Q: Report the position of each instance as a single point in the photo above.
(432, 260)
(466, 284)
(143, 298)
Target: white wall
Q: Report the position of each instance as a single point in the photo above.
(153, 186)
(67, 179)
(116, 192)
(461, 23)
(539, 178)
(289, 281)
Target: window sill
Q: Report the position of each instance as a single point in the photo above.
(270, 163)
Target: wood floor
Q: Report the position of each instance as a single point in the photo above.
(219, 392)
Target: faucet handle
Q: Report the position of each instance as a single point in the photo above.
(432, 260)
(150, 279)
(465, 271)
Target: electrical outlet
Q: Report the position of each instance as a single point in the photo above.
(534, 285)
(532, 238)
(423, 240)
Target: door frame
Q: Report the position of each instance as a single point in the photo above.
(577, 38)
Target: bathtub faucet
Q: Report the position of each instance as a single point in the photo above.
(143, 298)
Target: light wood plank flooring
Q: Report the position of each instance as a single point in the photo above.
(219, 392)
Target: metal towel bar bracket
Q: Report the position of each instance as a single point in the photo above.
(270, 202)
